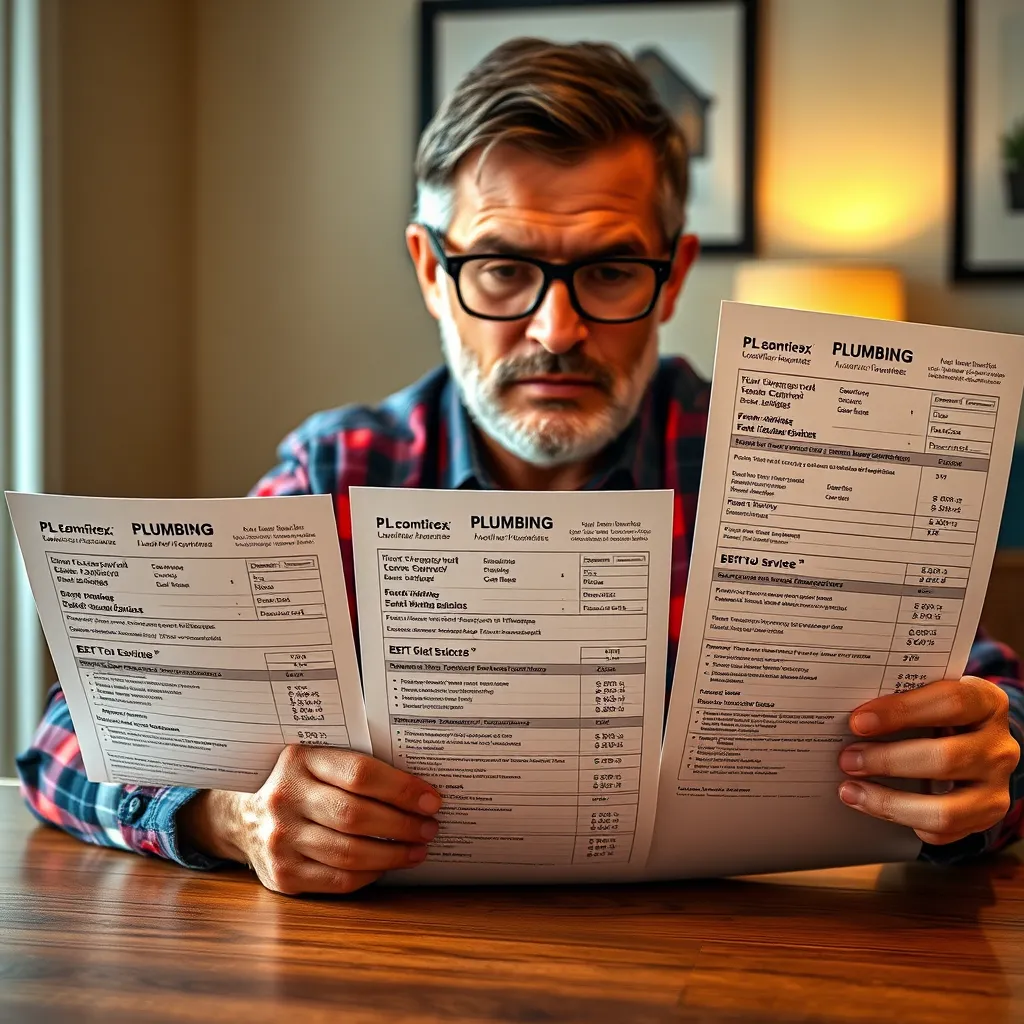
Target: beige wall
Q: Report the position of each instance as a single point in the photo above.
(305, 298)
(304, 130)
(124, 247)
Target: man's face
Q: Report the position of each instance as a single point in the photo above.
(553, 387)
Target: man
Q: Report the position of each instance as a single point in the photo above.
(548, 245)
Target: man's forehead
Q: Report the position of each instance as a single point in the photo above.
(607, 197)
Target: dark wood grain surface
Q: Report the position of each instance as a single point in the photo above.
(89, 934)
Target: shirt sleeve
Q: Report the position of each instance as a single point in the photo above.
(57, 791)
(291, 475)
(139, 818)
(998, 664)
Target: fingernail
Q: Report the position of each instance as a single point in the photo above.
(417, 854)
(852, 759)
(852, 794)
(866, 722)
(430, 803)
(428, 830)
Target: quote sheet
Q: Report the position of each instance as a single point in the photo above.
(853, 484)
(194, 638)
(513, 650)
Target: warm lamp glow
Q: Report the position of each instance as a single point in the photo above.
(824, 287)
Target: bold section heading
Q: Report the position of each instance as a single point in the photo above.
(876, 353)
(511, 522)
(173, 529)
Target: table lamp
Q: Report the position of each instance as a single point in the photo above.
(855, 289)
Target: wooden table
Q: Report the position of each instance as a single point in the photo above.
(89, 934)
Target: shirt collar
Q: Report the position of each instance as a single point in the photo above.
(633, 461)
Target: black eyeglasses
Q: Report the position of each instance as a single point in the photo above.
(606, 290)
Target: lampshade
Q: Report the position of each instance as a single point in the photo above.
(856, 289)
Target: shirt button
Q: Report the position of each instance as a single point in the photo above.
(136, 807)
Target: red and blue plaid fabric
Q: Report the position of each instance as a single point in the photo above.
(422, 437)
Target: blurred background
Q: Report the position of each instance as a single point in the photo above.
(224, 186)
(234, 178)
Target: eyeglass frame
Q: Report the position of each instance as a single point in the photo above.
(564, 272)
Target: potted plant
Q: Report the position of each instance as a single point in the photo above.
(1013, 158)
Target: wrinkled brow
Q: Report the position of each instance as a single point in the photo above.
(496, 244)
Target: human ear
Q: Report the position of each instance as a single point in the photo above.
(429, 275)
(686, 252)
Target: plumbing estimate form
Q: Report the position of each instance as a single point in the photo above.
(194, 638)
(853, 484)
(513, 644)
(513, 651)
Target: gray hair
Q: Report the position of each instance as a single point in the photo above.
(560, 102)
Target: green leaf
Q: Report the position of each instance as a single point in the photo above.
(1013, 147)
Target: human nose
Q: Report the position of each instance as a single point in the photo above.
(555, 324)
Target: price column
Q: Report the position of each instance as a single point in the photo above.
(308, 697)
(612, 692)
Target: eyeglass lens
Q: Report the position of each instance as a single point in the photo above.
(508, 287)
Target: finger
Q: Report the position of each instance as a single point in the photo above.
(343, 812)
(965, 757)
(966, 810)
(967, 701)
(354, 853)
(366, 776)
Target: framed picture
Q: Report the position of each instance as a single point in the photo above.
(698, 54)
(988, 227)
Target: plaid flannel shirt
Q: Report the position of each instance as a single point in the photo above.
(422, 437)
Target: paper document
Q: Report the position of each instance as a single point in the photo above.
(853, 483)
(194, 638)
(513, 651)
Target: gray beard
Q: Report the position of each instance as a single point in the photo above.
(555, 434)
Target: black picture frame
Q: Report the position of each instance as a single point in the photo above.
(985, 246)
(738, 234)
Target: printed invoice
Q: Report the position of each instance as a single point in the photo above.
(513, 653)
(194, 638)
(853, 482)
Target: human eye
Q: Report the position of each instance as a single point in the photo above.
(610, 274)
(504, 271)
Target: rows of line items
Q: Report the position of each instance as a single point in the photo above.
(567, 848)
(191, 588)
(541, 818)
(838, 678)
(280, 700)
(841, 412)
(743, 729)
(554, 737)
(918, 499)
(537, 814)
(853, 541)
(523, 624)
(595, 686)
(192, 766)
(595, 774)
(923, 621)
(962, 423)
(495, 582)
(957, 522)
(801, 757)
(302, 631)
(184, 750)
(780, 713)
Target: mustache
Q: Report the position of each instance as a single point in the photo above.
(515, 368)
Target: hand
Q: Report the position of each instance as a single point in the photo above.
(979, 757)
(326, 820)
